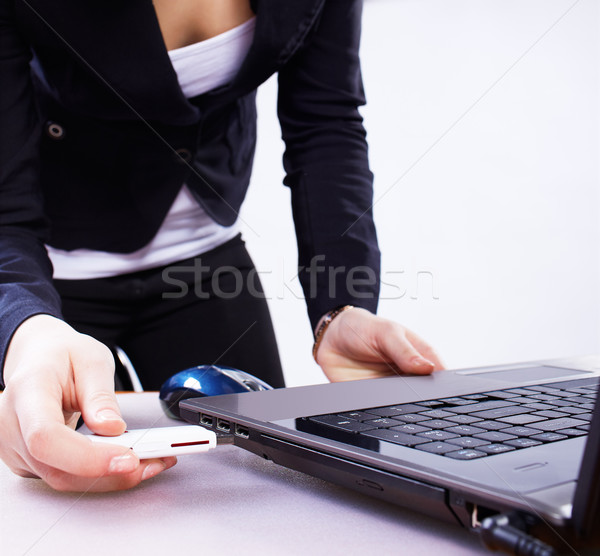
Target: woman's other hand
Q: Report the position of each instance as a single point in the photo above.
(358, 344)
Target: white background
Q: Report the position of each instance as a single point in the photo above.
(483, 126)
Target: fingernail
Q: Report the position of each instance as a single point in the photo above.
(169, 462)
(153, 469)
(108, 415)
(421, 362)
(123, 464)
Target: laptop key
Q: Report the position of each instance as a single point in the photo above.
(544, 397)
(475, 397)
(340, 423)
(549, 437)
(523, 399)
(463, 419)
(523, 419)
(521, 431)
(396, 437)
(383, 422)
(500, 394)
(409, 428)
(561, 423)
(458, 401)
(585, 416)
(521, 391)
(437, 414)
(466, 454)
(545, 389)
(357, 415)
(561, 403)
(496, 448)
(572, 432)
(481, 406)
(579, 390)
(467, 442)
(431, 403)
(495, 436)
(539, 406)
(523, 442)
(579, 400)
(493, 425)
(436, 447)
(394, 410)
(501, 412)
(567, 394)
(437, 435)
(412, 418)
(550, 414)
(465, 430)
(439, 424)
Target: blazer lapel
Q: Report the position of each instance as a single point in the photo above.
(280, 27)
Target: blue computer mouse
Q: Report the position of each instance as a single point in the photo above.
(206, 380)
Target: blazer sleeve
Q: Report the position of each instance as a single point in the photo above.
(25, 270)
(326, 164)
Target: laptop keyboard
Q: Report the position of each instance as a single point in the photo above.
(470, 426)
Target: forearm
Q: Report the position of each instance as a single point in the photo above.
(25, 286)
(326, 162)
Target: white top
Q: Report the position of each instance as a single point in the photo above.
(208, 64)
(187, 230)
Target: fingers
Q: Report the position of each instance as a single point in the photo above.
(42, 401)
(94, 387)
(60, 480)
(67, 460)
(426, 350)
(395, 346)
(49, 441)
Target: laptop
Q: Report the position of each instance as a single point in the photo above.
(510, 452)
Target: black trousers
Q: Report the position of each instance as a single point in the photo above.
(205, 310)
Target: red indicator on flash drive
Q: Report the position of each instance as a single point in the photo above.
(180, 444)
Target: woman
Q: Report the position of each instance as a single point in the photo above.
(126, 151)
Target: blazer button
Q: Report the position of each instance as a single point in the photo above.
(55, 131)
(183, 156)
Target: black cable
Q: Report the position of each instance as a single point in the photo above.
(497, 533)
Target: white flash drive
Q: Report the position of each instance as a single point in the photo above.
(164, 441)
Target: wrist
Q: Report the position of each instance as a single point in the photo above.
(323, 325)
(31, 329)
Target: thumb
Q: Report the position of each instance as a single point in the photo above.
(94, 369)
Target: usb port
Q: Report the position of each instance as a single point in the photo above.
(242, 431)
(206, 420)
(223, 425)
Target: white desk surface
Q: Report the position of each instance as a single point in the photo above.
(227, 501)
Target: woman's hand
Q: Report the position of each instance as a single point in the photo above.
(52, 374)
(358, 344)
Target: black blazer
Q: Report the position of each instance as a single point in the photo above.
(96, 139)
